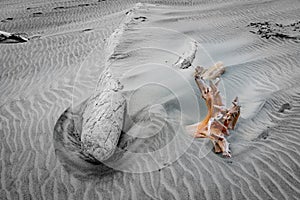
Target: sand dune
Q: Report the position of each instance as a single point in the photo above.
(60, 67)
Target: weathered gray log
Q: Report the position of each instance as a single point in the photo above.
(103, 119)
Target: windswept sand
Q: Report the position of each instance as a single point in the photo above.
(61, 65)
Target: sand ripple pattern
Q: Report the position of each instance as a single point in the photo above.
(36, 86)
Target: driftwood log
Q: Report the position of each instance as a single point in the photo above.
(219, 119)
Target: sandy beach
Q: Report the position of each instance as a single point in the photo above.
(51, 86)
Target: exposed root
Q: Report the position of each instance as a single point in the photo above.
(219, 120)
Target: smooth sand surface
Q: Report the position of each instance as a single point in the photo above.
(145, 45)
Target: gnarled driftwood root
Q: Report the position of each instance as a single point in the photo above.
(219, 119)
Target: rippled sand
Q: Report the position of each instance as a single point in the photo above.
(61, 64)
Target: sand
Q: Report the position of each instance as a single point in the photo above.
(158, 45)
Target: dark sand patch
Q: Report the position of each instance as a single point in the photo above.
(276, 30)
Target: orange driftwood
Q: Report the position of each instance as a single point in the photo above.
(218, 119)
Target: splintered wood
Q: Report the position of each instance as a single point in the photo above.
(219, 119)
(12, 36)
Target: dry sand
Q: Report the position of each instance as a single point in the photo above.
(72, 42)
